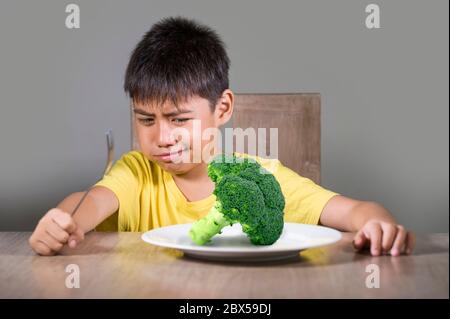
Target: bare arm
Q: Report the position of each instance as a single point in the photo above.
(351, 215)
(99, 204)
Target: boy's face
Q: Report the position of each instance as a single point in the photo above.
(172, 137)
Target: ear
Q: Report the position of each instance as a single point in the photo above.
(224, 108)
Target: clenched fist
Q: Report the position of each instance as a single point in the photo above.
(53, 231)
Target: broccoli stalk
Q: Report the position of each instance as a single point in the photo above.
(247, 194)
(209, 226)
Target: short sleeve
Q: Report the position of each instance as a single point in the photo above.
(305, 200)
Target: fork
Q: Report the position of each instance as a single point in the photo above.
(110, 146)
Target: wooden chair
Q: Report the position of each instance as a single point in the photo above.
(297, 117)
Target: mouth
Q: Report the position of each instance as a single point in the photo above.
(169, 157)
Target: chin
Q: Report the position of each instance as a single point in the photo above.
(175, 168)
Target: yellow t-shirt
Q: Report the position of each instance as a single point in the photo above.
(149, 197)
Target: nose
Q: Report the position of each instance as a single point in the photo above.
(166, 137)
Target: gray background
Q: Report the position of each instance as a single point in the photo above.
(384, 93)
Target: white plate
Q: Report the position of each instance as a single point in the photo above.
(234, 245)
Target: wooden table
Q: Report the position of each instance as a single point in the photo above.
(121, 265)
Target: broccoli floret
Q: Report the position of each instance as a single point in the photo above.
(247, 194)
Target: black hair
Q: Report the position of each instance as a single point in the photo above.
(176, 59)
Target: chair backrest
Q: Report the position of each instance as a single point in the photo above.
(297, 117)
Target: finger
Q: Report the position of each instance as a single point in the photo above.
(389, 232)
(373, 232)
(57, 232)
(39, 247)
(359, 240)
(410, 242)
(76, 237)
(51, 242)
(65, 221)
(399, 242)
(42, 249)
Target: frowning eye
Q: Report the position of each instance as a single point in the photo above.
(146, 121)
(180, 120)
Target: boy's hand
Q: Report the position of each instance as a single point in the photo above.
(384, 238)
(53, 231)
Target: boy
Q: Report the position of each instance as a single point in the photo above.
(178, 74)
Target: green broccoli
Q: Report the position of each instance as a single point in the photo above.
(247, 194)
